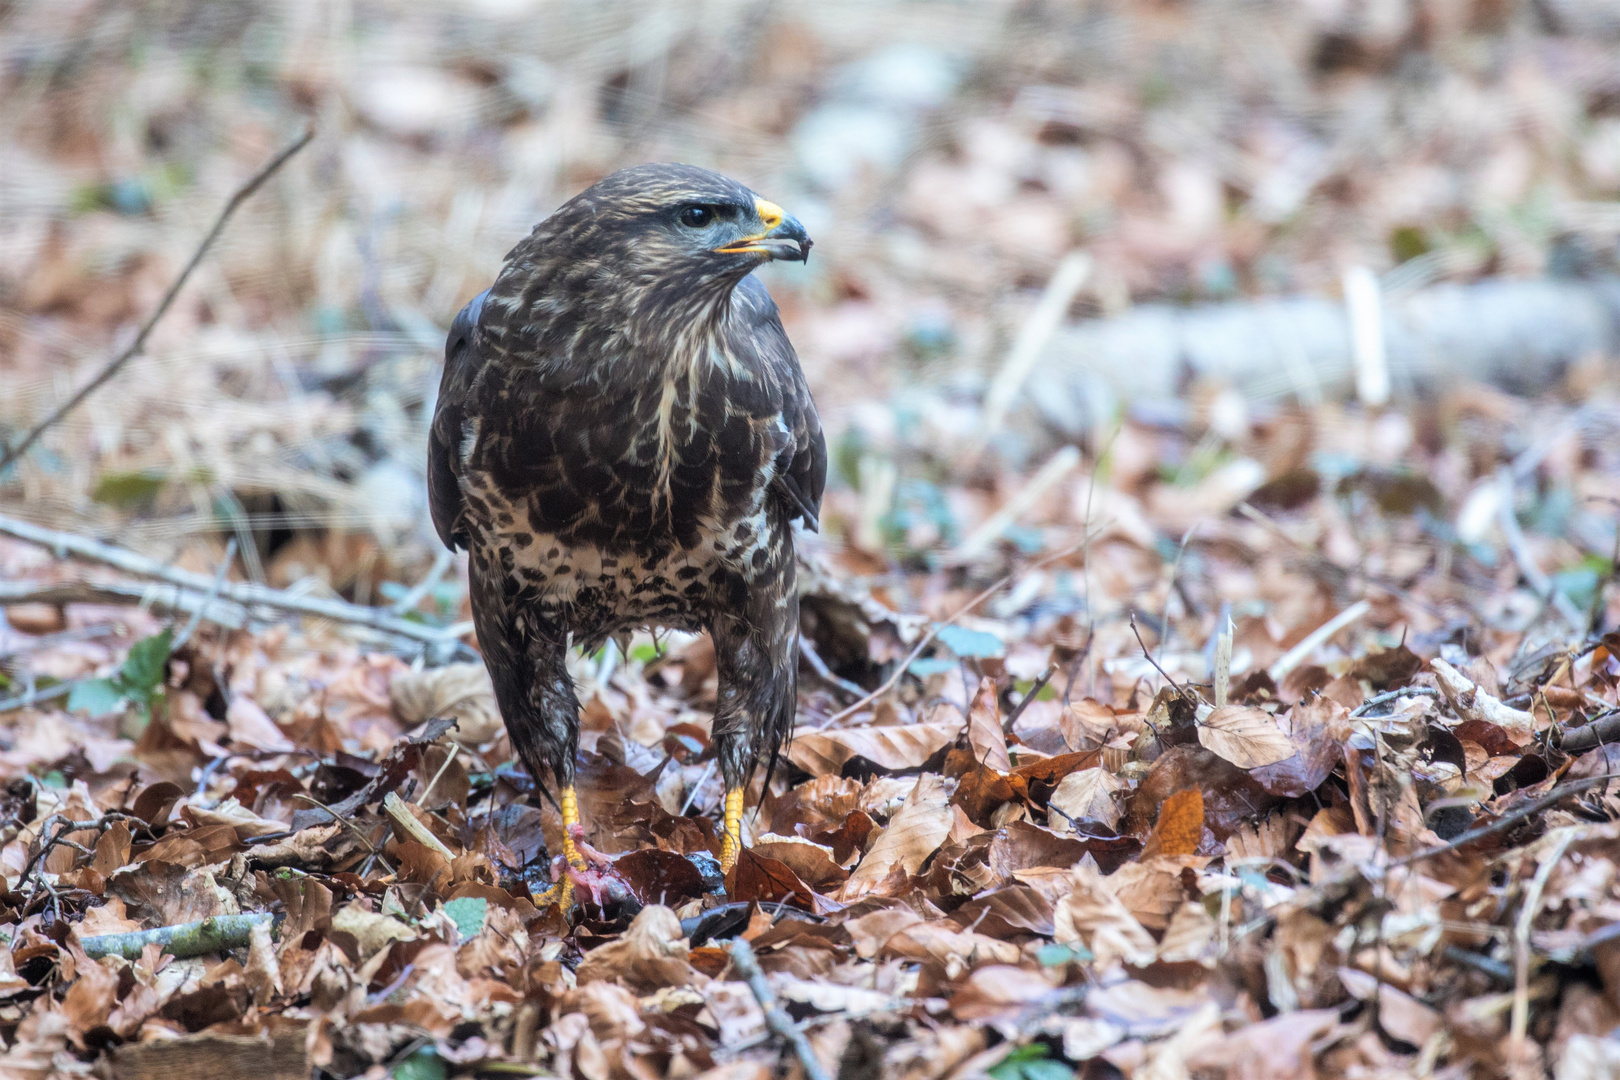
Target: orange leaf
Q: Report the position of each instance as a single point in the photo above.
(1180, 827)
(985, 736)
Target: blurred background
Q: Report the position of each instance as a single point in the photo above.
(1122, 261)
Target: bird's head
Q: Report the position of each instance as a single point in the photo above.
(652, 251)
(672, 223)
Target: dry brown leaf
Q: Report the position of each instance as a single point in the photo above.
(1088, 795)
(1180, 828)
(999, 991)
(462, 692)
(922, 824)
(985, 735)
(903, 746)
(1088, 724)
(1094, 917)
(651, 953)
(1247, 737)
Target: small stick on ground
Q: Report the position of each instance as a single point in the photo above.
(137, 346)
(1034, 692)
(776, 1018)
(213, 935)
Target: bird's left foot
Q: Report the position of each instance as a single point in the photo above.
(580, 866)
(731, 837)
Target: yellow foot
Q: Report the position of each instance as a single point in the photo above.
(731, 838)
(561, 893)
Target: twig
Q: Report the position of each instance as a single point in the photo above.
(421, 800)
(1598, 732)
(776, 1018)
(1175, 685)
(214, 935)
(1520, 547)
(1054, 472)
(823, 672)
(1066, 282)
(352, 827)
(413, 596)
(933, 631)
(1034, 692)
(213, 591)
(1393, 695)
(135, 347)
(1506, 821)
(1316, 638)
(34, 697)
(1170, 587)
(171, 600)
(245, 593)
(413, 828)
(1521, 936)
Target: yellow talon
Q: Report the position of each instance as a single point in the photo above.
(561, 893)
(731, 838)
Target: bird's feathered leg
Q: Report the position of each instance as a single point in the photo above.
(527, 658)
(756, 655)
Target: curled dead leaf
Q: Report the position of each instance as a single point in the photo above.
(1246, 736)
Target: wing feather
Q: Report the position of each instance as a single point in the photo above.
(447, 432)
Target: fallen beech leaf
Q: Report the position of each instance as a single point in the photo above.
(659, 877)
(812, 862)
(980, 792)
(903, 746)
(652, 953)
(1317, 729)
(985, 736)
(1151, 888)
(461, 692)
(832, 997)
(756, 877)
(922, 824)
(1180, 828)
(849, 839)
(998, 991)
(1093, 916)
(1247, 737)
(1088, 795)
(1087, 724)
(1400, 1015)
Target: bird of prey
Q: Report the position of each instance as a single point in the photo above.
(622, 439)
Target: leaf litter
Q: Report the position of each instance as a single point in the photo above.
(1231, 845)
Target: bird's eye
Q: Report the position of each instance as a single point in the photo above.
(696, 217)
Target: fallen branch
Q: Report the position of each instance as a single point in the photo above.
(243, 593)
(1393, 695)
(213, 935)
(1316, 639)
(776, 1018)
(138, 345)
(162, 599)
(1600, 732)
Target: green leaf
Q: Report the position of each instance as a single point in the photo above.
(976, 643)
(96, 697)
(146, 664)
(1047, 1069)
(425, 1064)
(128, 490)
(468, 914)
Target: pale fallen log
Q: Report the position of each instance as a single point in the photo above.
(212, 935)
(1515, 334)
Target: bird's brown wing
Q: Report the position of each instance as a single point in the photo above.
(447, 432)
(801, 462)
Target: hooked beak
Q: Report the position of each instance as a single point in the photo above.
(781, 238)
